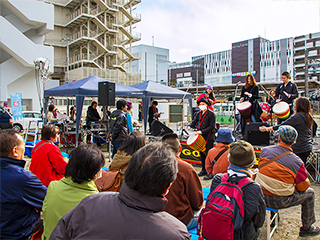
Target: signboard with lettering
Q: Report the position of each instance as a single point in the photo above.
(16, 104)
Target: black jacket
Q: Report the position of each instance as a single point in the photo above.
(92, 115)
(254, 90)
(151, 116)
(207, 126)
(254, 212)
(304, 140)
(255, 108)
(291, 89)
(118, 126)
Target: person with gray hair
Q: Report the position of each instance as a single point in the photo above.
(139, 205)
(284, 180)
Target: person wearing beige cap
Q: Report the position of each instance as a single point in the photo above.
(241, 159)
(284, 180)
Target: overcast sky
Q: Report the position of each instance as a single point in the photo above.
(195, 27)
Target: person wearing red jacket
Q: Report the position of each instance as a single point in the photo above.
(47, 162)
(209, 96)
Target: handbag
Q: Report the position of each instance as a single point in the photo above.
(110, 180)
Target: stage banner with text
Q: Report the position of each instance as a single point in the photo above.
(192, 156)
(16, 105)
(189, 155)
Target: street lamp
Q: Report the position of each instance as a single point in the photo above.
(42, 65)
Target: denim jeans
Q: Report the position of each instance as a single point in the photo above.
(116, 145)
(194, 220)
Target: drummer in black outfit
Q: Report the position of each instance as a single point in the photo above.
(287, 92)
(207, 121)
(250, 92)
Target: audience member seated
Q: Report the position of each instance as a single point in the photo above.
(217, 159)
(83, 168)
(185, 197)
(52, 114)
(134, 213)
(284, 180)
(133, 142)
(241, 159)
(47, 162)
(22, 193)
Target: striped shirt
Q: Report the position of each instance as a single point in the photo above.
(283, 176)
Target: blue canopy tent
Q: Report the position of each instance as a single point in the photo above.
(87, 87)
(151, 89)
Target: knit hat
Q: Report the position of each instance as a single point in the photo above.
(203, 100)
(209, 87)
(288, 134)
(129, 103)
(225, 135)
(241, 154)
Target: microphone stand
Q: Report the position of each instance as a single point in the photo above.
(185, 93)
(234, 106)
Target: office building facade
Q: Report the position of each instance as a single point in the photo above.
(276, 57)
(149, 59)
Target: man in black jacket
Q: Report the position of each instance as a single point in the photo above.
(118, 125)
(206, 127)
(287, 92)
(92, 116)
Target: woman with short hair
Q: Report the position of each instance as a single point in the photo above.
(47, 162)
(83, 168)
(52, 114)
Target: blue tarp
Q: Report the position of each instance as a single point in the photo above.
(89, 87)
(152, 89)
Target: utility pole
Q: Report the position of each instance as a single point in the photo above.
(67, 73)
(306, 70)
(197, 82)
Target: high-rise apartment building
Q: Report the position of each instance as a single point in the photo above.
(97, 36)
(307, 52)
(23, 25)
